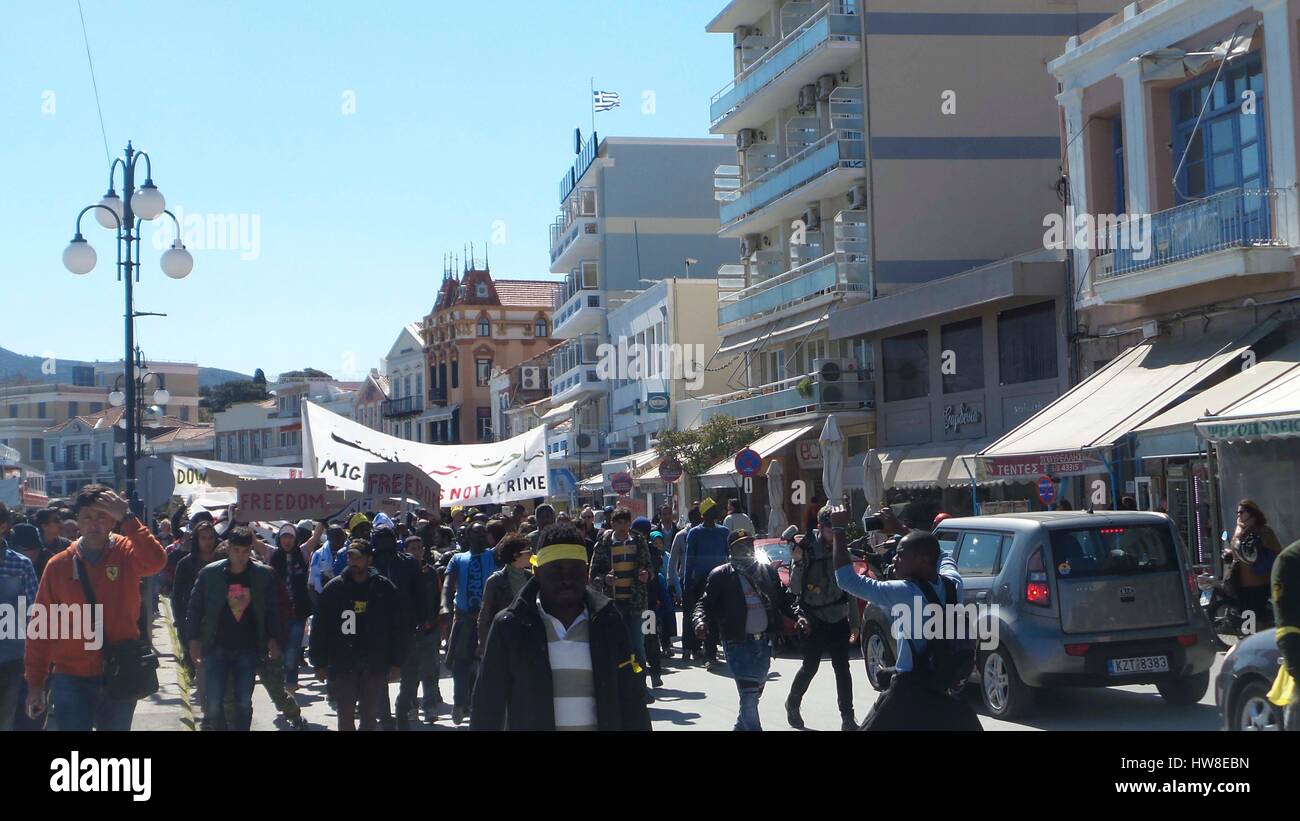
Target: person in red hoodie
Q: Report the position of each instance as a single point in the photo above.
(113, 565)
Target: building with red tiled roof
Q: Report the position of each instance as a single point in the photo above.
(478, 325)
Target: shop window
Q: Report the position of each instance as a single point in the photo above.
(907, 371)
(1027, 344)
(962, 360)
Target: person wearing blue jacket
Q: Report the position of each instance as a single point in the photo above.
(706, 548)
(911, 702)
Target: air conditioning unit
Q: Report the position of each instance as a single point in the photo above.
(812, 218)
(584, 441)
(825, 85)
(839, 382)
(530, 378)
(750, 244)
(746, 137)
(858, 197)
(807, 99)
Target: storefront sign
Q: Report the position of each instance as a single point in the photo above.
(810, 454)
(656, 402)
(1029, 467)
(1250, 429)
(955, 416)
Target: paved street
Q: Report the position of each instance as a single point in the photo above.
(696, 698)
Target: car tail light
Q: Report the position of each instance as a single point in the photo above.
(1191, 584)
(1037, 591)
(1076, 649)
(1187, 639)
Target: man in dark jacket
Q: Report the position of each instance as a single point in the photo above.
(421, 665)
(358, 638)
(404, 572)
(232, 623)
(558, 658)
(744, 602)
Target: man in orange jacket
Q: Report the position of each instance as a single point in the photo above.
(113, 565)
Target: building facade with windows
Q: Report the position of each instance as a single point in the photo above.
(404, 370)
(633, 211)
(269, 432)
(478, 324)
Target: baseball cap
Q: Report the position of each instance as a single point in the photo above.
(642, 524)
(740, 535)
(357, 519)
(287, 527)
(307, 525)
(360, 546)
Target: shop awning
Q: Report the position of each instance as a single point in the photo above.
(1135, 386)
(438, 413)
(558, 413)
(723, 474)
(1271, 412)
(592, 483)
(1173, 433)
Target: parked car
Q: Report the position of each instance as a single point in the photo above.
(1083, 600)
(1243, 682)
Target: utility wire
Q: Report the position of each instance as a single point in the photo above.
(108, 157)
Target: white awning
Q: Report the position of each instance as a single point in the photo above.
(591, 483)
(1134, 387)
(781, 330)
(1272, 412)
(723, 474)
(438, 414)
(558, 414)
(1179, 64)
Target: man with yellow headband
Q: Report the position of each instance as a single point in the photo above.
(558, 658)
(1286, 611)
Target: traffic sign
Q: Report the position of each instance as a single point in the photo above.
(748, 462)
(621, 482)
(670, 470)
(155, 481)
(1046, 490)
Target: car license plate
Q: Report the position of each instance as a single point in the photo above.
(1138, 664)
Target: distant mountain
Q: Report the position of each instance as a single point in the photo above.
(15, 366)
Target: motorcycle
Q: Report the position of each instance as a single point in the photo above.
(1222, 609)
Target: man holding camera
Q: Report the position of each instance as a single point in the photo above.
(823, 620)
(916, 699)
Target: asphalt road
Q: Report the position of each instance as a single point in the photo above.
(702, 699)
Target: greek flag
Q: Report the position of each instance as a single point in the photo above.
(604, 100)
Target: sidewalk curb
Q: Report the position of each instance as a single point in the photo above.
(182, 676)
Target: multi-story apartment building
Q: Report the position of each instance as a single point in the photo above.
(269, 432)
(889, 154)
(632, 211)
(404, 369)
(27, 411)
(521, 396)
(1179, 125)
(478, 324)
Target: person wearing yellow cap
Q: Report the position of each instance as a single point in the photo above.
(706, 548)
(559, 658)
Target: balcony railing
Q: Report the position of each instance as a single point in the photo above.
(586, 156)
(785, 398)
(1240, 218)
(836, 20)
(405, 406)
(438, 396)
(838, 149)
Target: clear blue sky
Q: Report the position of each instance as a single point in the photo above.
(464, 116)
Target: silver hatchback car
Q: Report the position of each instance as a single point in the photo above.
(1083, 600)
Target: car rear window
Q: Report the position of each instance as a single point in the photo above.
(1113, 551)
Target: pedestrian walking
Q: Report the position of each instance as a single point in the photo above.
(462, 598)
(706, 548)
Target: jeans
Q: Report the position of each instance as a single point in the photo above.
(749, 661)
(421, 666)
(823, 637)
(81, 704)
(11, 686)
(293, 653)
(690, 644)
(632, 620)
(235, 671)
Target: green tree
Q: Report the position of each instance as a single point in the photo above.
(259, 378)
(699, 449)
(219, 397)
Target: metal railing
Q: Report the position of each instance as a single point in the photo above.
(763, 401)
(836, 20)
(838, 149)
(586, 157)
(1240, 218)
(438, 396)
(404, 406)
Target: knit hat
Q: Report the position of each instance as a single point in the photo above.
(357, 519)
(642, 524)
(25, 537)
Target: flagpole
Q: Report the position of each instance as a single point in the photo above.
(592, 100)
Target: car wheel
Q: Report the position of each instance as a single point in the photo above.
(1005, 694)
(1185, 690)
(877, 654)
(1254, 712)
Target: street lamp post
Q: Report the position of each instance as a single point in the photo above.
(128, 214)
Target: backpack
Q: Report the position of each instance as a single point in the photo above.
(947, 662)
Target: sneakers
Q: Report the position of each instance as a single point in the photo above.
(457, 715)
(298, 723)
(656, 681)
(792, 714)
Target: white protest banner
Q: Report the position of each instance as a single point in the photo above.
(402, 480)
(337, 450)
(199, 475)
